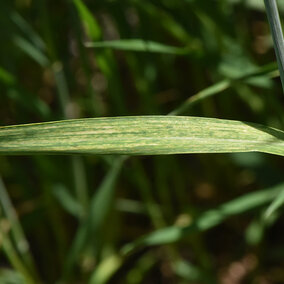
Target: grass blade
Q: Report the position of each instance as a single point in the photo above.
(270, 70)
(17, 231)
(36, 54)
(11, 276)
(141, 135)
(277, 34)
(8, 248)
(15, 92)
(205, 93)
(276, 204)
(207, 220)
(27, 29)
(138, 45)
(91, 25)
(100, 205)
(104, 58)
(106, 269)
(67, 201)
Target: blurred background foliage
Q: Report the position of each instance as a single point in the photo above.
(163, 219)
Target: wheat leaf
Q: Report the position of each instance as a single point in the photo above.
(141, 135)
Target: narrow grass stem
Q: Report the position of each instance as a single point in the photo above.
(269, 70)
(277, 34)
(80, 182)
(16, 228)
(11, 252)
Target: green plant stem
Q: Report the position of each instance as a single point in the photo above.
(16, 228)
(11, 253)
(57, 68)
(277, 34)
(212, 90)
(207, 220)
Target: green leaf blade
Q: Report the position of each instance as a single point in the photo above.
(138, 45)
(141, 135)
(207, 220)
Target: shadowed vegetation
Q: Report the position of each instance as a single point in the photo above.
(91, 98)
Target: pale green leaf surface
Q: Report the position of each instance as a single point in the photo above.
(141, 135)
